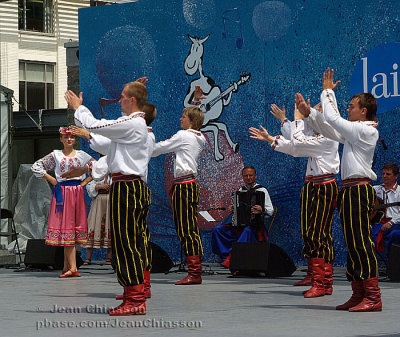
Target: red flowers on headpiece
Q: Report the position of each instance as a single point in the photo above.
(65, 131)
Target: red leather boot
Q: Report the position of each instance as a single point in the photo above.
(356, 297)
(194, 271)
(146, 282)
(328, 279)
(227, 262)
(134, 302)
(147, 286)
(307, 281)
(318, 274)
(372, 297)
(120, 297)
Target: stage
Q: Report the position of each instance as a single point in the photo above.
(37, 303)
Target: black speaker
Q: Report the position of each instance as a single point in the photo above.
(393, 269)
(161, 262)
(42, 256)
(263, 257)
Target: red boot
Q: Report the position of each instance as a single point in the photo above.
(227, 262)
(120, 297)
(372, 297)
(356, 298)
(134, 302)
(318, 274)
(146, 282)
(328, 279)
(194, 271)
(307, 281)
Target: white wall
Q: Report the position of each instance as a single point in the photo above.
(18, 45)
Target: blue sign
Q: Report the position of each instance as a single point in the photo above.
(377, 73)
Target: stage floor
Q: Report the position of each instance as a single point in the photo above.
(37, 303)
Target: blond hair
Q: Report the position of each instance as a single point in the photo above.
(196, 116)
(137, 90)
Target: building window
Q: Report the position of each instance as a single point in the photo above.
(36, 15)
(36, 85)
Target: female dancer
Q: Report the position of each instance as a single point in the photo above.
(67, 223)
(98, 220)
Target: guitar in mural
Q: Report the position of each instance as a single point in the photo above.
(213, 103)
(215, 100)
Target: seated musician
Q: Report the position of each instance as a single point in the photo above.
(224, 235)
(387, 231)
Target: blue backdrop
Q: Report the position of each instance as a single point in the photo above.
(261, 53)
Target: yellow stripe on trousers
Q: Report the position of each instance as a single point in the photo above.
(185, 198)
(355, 204)
(128, 206)
(318, 240)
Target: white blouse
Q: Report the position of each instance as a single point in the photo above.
(60, 163)
(91, 186)
(322, 152)
(126, 147)
(187, 145)
(359, 138)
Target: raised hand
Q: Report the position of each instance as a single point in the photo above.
(297, 114)
(142, 80)
(73, 101)
(302, 105)
(278, 113)
(327, 80)
(77, 131)
(198, 93)
(261, 134)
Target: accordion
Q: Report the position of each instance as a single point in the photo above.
(242, 202)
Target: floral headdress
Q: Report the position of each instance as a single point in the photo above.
(65, 131)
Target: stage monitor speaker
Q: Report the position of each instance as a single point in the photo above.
(393, 269)
(261, 257)
(42, 256)
(161, 262)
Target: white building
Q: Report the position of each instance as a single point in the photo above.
(33, 57)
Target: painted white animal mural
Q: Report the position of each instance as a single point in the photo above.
(215, 100)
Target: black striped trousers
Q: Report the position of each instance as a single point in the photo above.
(317, 234)
(185, 198)
(355, 204)
(129, 202)
(146, 232)
(305, 209)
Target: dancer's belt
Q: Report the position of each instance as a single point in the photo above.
(184, 179)
(323, 179)
(188, 179)
(308, 179)
(57, 192)
(102, 191)
(355, 182)
(123, 178)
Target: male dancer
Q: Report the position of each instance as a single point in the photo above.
(187, 145)
(127, 159)
(357, 197)
(101, 144)
(317, 197)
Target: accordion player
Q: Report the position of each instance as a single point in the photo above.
(242, 202)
